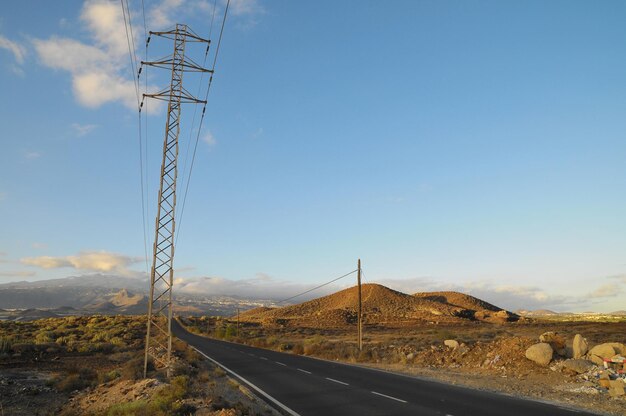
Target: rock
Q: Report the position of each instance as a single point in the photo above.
(616, 388)
(451, 343)
(598, 353)
(605, 383)
(556, 341)
(463, 349)
(540, 353)
(578, 365)
(618, 347)
(580, 346)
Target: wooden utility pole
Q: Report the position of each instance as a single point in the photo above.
(237, 321)
(360, 315)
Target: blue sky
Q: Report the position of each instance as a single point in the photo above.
(467, 145)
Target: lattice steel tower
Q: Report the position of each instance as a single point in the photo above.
(159, 327)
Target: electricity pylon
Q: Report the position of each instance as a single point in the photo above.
(159, 343)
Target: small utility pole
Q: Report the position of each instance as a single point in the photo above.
(360, 315)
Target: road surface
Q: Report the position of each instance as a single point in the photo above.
(306, 386)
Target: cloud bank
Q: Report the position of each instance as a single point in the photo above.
(93, 261)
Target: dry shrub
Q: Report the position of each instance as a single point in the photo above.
(133, 369)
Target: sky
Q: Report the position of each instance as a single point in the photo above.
(451, 145)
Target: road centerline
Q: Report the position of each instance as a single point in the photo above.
(337, 381)
(279, 363)
(389, 397)
(304, 371)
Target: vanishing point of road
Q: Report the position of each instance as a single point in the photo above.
(298, 385)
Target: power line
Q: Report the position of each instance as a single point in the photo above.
(193, 123)
(130, 38)
(320, 286)
(131, 53)
(193, 158)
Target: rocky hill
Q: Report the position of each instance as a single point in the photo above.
(471, 306)
(381, 305)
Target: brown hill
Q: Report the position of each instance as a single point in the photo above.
(473, 307)
(381, 305)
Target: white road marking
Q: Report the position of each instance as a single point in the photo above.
(304, 371)
(263, 358)
(337, 381)
(261, 392)
(389, 397)
(279, 363)
(251, 355)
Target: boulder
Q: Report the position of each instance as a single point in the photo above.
(451, 343)
(540, 353)
(578, 365)
(616, 388)
(601, 351)
(556, 341)
(579, 346)
(618, 347)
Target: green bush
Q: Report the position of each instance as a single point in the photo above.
(45, 337)
(6, 344)
(231, 331)
(138, 408)
(108, 376)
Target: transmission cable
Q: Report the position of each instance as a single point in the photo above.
(193, 158)
(193, 120)
(131, 49)
(133, 66)
(318, 287)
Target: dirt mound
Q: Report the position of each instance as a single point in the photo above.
(473, 307)
(505, 354)
(107, 394)
(380, 305)
(458, 299)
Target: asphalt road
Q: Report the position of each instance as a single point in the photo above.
(307, 386)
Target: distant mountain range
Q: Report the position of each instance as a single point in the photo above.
(548, 313)
(106, 294)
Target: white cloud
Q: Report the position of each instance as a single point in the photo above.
(258, 133)
(71, 55)
(98, 261)
(18, 51)
(162, 15)
(100, 72)
(32, 155)
(100, 69)
(507, 296)
(245, 7)
(83, 129)
(105, 20)
(262, 286)
(209, 139)
(96, 88)
(606, 291)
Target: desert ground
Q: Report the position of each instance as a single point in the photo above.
(93, 365)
